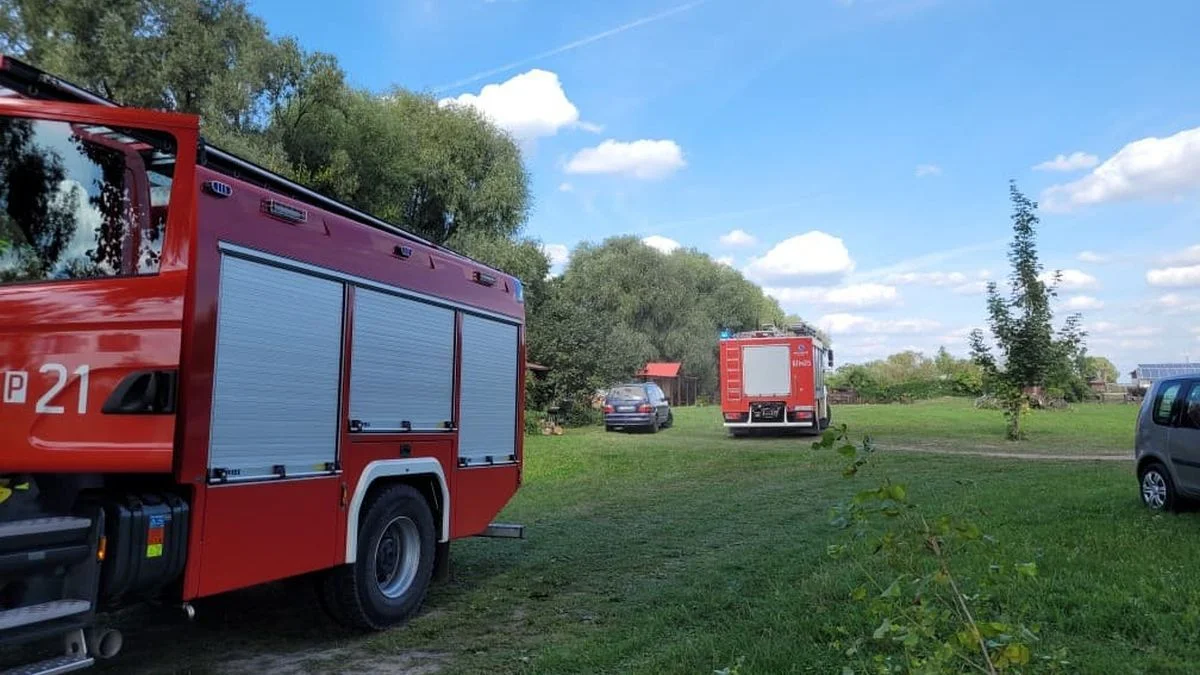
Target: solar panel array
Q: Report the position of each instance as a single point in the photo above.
(1157, 371)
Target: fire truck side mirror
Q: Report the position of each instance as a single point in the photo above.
(830, 358)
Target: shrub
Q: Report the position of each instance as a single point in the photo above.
(533, 422)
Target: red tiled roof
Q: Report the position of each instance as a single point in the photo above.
(660, 370)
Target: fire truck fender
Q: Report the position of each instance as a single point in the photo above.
(382, 470)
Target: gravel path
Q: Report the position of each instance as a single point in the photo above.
(1011, 455)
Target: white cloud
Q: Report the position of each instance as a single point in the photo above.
(558, 254)
(804, 259)
(1072, 162)
(928, 170)
(726, 260)
(853, 296)
(970, 288)
(1188, 256)
(842, 323)
(1151, 167)
(959, 335)
(739, 237)
(928, 278)
(1174, 303)
(1093, 257)
(1175, 277)
(530, 105)
(663, 244)
(1082, 302)
(566, 187)
(643, 159)
(1071, 280)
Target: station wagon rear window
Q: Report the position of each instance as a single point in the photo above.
(627, 393)
(81, 201)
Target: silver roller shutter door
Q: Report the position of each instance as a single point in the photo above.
(278, 370)
(402, 364)
(488, 406)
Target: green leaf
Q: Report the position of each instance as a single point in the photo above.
(1028, 569)
(898, 492)
(1015, 654)
(883, 629)
(893, 590)
(847, 450)
(859, 593)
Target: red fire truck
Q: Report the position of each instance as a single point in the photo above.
(774, 379)
(212, 377)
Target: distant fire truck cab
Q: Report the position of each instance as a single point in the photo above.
(774, 380)
(212, 377)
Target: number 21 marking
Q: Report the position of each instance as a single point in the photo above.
(59, 370)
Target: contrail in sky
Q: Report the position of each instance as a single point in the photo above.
(571, 45)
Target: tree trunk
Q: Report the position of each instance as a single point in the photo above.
(1016, 410)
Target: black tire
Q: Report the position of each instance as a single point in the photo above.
(608, 428)
(1157, 488)
(352, 593)
(670, 420)
(654, 426)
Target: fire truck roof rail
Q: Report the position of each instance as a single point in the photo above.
(35, 83)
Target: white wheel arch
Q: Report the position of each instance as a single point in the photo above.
(391, 468)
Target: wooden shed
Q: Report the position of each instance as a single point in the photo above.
(679, 388)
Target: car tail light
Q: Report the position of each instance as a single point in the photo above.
(803, 414)
(608, 409)
(733, 417)
(645, 407)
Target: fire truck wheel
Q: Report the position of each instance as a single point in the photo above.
(388, 581)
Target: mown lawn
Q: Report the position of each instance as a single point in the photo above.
(951, 422)
(687, 551)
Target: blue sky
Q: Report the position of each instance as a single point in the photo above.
(857, 150)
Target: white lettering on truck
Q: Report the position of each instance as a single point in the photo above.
(16, 389)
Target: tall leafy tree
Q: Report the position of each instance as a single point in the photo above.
(1100, 367)
(1021, 323)
(434, 170)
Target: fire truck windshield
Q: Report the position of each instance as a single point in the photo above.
(80, 201)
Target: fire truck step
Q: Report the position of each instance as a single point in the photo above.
(54, 666)
(36, 526)
(47, 611)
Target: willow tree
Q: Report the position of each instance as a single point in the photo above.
(1021, 323)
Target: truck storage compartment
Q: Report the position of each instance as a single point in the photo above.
(766, 371)
(147, 543)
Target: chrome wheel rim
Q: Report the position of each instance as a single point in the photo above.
(397, 555)
(1154, 489)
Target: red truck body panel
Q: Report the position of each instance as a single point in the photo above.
(96, 332)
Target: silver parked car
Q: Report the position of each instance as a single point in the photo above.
(1167, 447)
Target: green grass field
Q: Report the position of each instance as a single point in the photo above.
(687, 551)
(954, 423)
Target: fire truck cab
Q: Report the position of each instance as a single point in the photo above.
(212, 377)
(774, 380)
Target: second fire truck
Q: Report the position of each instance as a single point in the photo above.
(774, 380)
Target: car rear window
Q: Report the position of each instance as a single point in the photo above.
(627, 393)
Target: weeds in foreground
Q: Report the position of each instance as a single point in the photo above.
(932, 614)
